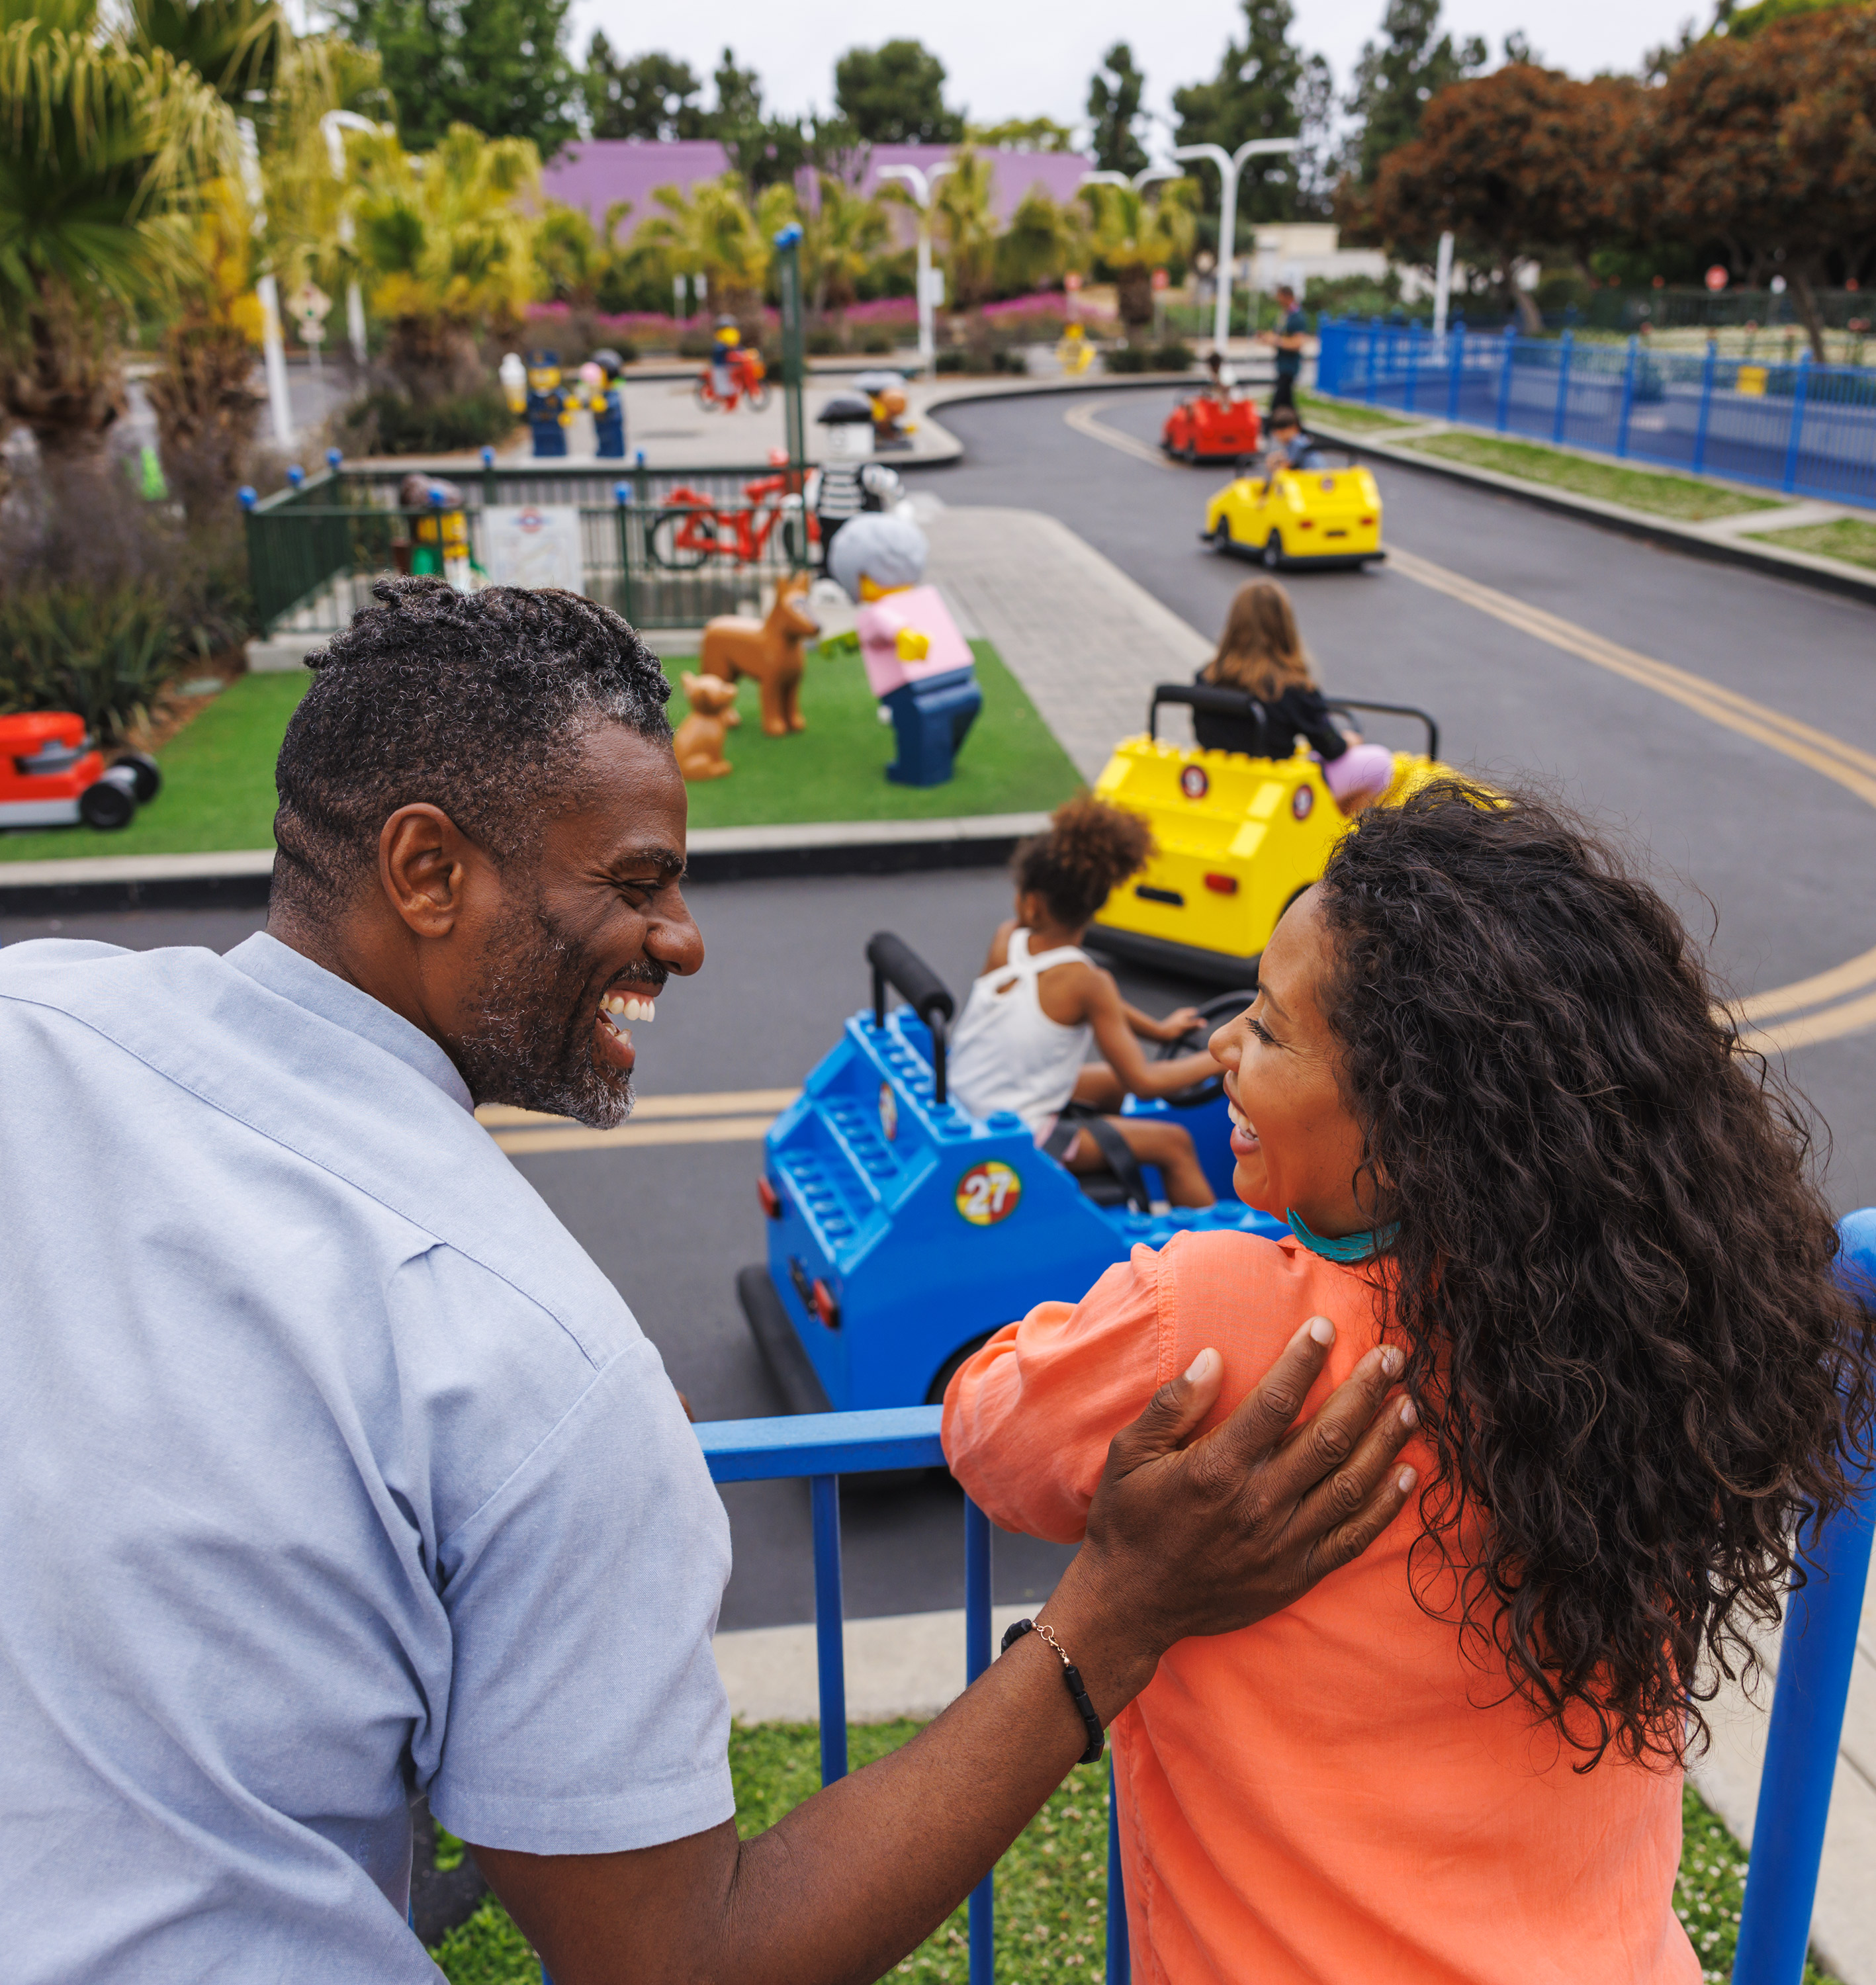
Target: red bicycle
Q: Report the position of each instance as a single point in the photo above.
(691, 529)
(748, 380)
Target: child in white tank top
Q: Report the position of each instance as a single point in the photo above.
(1022, 1041)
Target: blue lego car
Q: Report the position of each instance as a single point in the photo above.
(902, 1231)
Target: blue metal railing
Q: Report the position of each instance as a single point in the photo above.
(1815, 1653)
(1807, 430)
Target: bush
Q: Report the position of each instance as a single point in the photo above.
(386, 423)
(106, 654)
(1128, 358)
(876, 344)
(1175, 355)
(696, 344)
(822, 341)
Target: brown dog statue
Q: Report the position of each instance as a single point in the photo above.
(769, 650)
(699, 741)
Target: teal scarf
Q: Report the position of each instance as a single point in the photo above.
(1351, 1247)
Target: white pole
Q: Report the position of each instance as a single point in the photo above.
(1442, 285)
(921, 185)
(274, 351)
(1229, 165)
(354, 317)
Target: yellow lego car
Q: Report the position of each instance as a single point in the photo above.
(1298, 517)
(1237, 839)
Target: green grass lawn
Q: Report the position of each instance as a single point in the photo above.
(1052, 1885)
(1662, 495)
(835, 769)
(218, 773)
(217, 783)
(1849, 538)
(1351, 414)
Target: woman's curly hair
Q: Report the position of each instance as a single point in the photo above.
(1614, 1273)
(1090, 848)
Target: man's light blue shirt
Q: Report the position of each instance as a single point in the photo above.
(332, 1472)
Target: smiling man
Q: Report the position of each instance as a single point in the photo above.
(334, 1472)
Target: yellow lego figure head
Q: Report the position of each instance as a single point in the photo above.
(543, 371)
(728, 337)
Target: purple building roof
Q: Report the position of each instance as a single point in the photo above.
(594, 175)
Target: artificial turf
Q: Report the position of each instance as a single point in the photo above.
(217, 783)
(835, 769)
(1659, 494)
(218, 770)
(1052, 1885)
(1315, 407)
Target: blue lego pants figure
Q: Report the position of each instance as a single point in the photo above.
(609, 424)
(544, 421)
(931, 718)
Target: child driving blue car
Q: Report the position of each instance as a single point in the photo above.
(1022, 1042)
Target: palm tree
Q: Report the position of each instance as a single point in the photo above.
(106, 158)
(841, 239)
(1041, 240)
(1134, 236)
(710, 231)
(964, 226)
(446, 239)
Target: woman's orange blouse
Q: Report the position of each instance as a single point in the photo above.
(1333, 1796)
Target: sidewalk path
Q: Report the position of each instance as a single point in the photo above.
(1086, 642)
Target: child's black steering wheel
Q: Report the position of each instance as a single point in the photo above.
(1221, 1006)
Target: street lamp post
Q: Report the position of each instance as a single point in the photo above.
(332, 124)
(921, 183)
(1229, 165)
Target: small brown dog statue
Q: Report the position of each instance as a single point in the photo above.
(769, 650)
(699, 741)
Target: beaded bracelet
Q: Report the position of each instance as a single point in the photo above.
(1072, 1676)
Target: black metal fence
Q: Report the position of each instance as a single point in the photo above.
(666, 547)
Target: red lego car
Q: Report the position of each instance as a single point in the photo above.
(53, 775)
(1206, 428)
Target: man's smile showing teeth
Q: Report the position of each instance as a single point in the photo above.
(619, 1008)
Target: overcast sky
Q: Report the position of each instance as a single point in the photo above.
(1027, 58)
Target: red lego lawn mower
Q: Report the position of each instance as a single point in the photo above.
(1206, 428)
(53, 775)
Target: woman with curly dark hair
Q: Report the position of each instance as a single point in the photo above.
(1486, 1082)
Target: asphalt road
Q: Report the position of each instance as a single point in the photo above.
(1778, 853)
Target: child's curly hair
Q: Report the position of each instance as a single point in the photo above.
(1090, 847)
(1615, 1272)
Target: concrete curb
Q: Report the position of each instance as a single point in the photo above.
(1801, 567)
(240, 878)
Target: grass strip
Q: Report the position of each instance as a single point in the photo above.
(1052, 1885)
(217, 783)
(1661, 495)
(1314, 407)
(1849, 539)
(835, 769)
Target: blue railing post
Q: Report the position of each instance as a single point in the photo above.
(1564, 348)
(1413, 366)
(1799, 394)
(1120, 1955)
(1815, 1655)
(1628, 396)
(1456, 358)
(830, 1649)
(977, 1659)
(1374, 347)
(1508, 350)
(1707, 369)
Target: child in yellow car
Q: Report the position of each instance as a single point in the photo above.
(1022, 1042)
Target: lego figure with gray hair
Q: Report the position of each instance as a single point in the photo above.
(918, 664)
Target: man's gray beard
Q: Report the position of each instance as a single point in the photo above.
(532, 1044)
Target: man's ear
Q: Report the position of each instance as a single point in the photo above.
(424, 865)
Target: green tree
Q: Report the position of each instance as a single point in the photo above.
(894, 95)
(964, 228)
(649, 96)
(1021, 134)
(1259, 92)
(1135, 232)
(713, 231)
(1397, 75)
(111, 156)
(1114, 94)
(841, 239)
(1041, 240)
(500, 66)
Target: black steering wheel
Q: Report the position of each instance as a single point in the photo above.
(1222, 1006)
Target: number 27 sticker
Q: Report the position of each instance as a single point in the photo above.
(988, 1193)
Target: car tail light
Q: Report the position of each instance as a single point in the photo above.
(1222, 885)
(1367, 523)
(1306, 523)
(825, 1306)
(771, 1199)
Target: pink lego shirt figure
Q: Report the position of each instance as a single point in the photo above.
(907, 635)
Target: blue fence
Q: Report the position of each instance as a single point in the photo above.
(1808, 430)
(1815, 1657)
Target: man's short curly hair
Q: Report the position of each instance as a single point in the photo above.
(476, 703)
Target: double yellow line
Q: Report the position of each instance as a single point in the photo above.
(719, 1116)
(1824, 1007)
